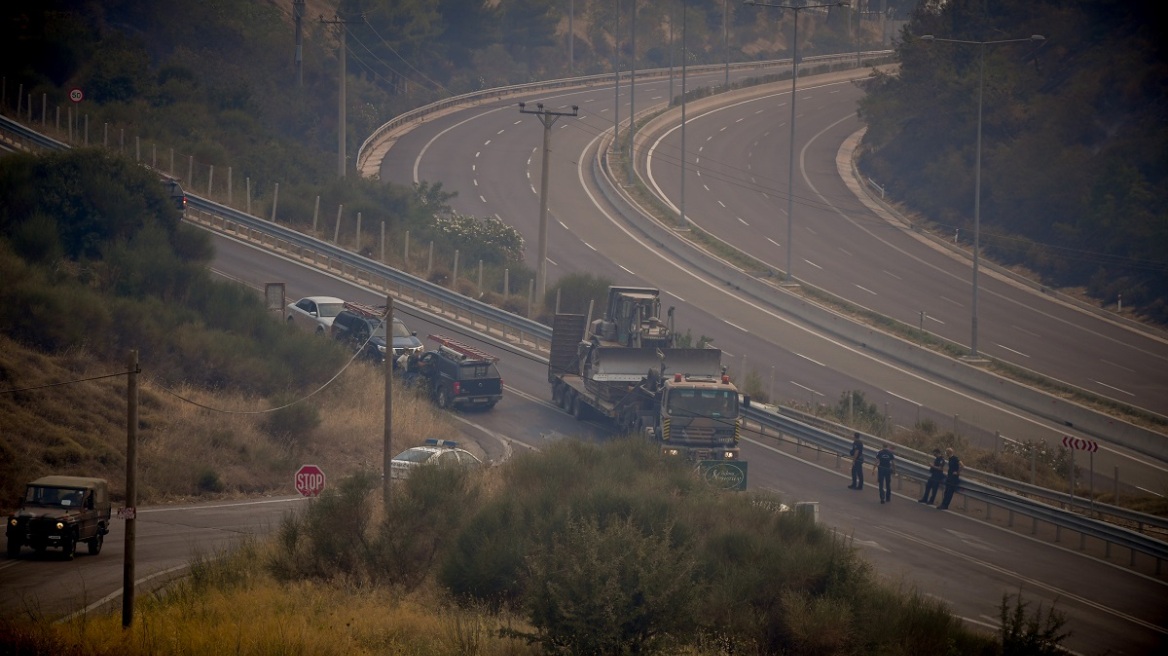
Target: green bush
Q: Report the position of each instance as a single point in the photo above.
(576, 291)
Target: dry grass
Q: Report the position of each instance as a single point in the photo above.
(202, 615)
(193, 443)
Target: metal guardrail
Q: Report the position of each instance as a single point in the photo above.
(526, 333)
(994, 491)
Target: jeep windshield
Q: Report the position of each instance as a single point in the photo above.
(722, 403)
(63, 497)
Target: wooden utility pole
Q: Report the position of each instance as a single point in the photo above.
(387, 449)
(131, 488)
(341, 128)
(298, 16)
(548, 118)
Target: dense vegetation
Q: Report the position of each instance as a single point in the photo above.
(95, 262)
(1074, 145)
(579, 549)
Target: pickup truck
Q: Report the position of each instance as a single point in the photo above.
(456, 375)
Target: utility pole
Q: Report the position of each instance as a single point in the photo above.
(298, 16)
(131, 488)
(632, 93)
(548, 118)
(387, 448)
(341, 128)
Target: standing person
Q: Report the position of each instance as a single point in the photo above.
(952, 479)
(885, 465)
(936, 475)
(857, 454)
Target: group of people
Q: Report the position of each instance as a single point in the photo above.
(944, 469)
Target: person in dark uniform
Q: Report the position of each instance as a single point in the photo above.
(936, 475)
(885, 465)
(952, 479)
(857, 454)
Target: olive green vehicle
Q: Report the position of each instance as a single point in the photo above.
(60, 512)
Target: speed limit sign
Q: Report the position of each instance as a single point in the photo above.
(76, 95)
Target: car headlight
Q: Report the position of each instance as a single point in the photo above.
(12, 521)
(381, 349)
(60, 525)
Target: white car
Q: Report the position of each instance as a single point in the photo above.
(315, 313)
(433, 452)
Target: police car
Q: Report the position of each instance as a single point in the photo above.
(433, 452)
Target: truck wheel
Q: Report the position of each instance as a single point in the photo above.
(443, 398)
(69, 548)
(566, 399)
(13, 547)
(94, 544)
(558, 395)
(579, 407)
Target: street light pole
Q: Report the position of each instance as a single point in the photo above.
(794, 79)
(973, 353)
(548, 118)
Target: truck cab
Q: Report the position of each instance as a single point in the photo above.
(699, 417)
(60, 512)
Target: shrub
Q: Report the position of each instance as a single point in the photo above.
(292, 425)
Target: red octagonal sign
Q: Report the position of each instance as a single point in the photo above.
(309, 480)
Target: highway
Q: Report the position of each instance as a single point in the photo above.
(953, 556)
(490, 155)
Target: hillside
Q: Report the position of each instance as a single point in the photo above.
(93, 255)
(1073, 166)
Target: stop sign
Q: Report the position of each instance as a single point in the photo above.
(309, 480)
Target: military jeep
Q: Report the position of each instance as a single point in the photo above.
(60, 511)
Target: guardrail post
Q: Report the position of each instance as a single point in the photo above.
(481, 284)
(337, 228)
(407, 252)
(430, 260)
(530, 297)
(357, 246)
(190, 170)
(229, 186)
(454, 276)
(315, 214)
(248, 210)
(210, 180)
(275, 201)
(383, 241)
(506, 282)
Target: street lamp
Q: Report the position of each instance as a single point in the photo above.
(973, 354)
(794, 78)
(548, 118)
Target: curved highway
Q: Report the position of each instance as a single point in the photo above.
(490, 155)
